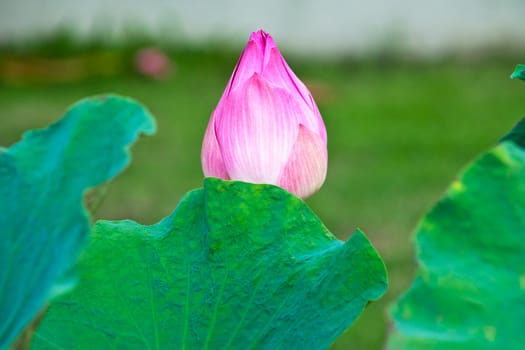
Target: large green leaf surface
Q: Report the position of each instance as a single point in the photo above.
(235, 266)
(43, 224)
(469, 292)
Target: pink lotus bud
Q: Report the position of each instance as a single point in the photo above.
(266, 127)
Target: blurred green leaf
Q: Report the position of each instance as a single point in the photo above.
(519, 72)
(469, 292)
(43, 223)
(235, 266)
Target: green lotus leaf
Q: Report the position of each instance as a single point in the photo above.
(43, 224)
(519, 72)
(235, 266)
(469, 292)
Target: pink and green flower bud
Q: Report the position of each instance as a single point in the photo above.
(266, 127)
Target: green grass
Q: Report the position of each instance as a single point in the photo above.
(398, 134)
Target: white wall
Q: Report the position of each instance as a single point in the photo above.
(302, 25)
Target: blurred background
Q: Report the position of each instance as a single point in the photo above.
(410, 92)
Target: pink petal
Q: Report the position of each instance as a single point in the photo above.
(266, 44)
(305, 170)
(262, 39)
(251, 61)
(211, 158)
(279, 73)
(256, 128)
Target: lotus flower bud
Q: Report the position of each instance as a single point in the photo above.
(266, 127)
